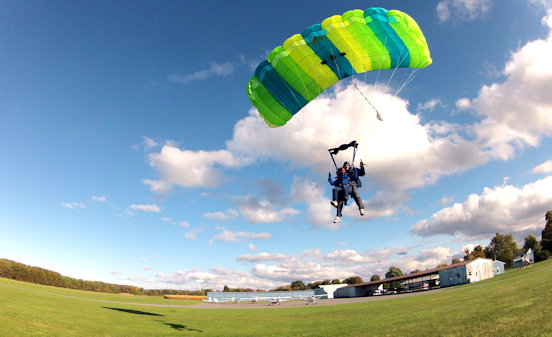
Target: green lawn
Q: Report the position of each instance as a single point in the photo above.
(514, 304)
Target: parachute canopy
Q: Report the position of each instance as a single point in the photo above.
(341, 46)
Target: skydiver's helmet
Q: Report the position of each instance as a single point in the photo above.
(346, 163)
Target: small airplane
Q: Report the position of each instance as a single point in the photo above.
(311, 299)
(278, 300)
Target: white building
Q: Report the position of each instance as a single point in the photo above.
(524, 257)
(455, 274)
(328, 289)
(466, 272)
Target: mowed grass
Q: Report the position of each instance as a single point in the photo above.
(514, 304)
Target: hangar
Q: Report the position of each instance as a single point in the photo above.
(459, 273)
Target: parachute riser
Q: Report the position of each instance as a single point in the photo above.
(343, 147)
(333, 159)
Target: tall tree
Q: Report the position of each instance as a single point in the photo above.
(375, 277)
(455, 260)
(546, 234)
(532, 242)
(393, 272)
(502, 248)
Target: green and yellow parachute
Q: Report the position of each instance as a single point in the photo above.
(341, 46)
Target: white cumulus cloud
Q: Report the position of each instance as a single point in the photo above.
(349, 257)
(261, 257)
(516, 113)
(72, 205)
(226, 235)
(215, 69)
(186, 168)
(261, 211)
(193, 233)
(506, 209)
(229, 214)
(545, 167)
(462, 10)
(145, 208)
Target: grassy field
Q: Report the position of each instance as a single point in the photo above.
(514, 304)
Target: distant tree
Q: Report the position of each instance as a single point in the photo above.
(326, 282)
(502, 248)
(226, 289)
(478, 251)
(532, 242)
(442, 265)
(353, 280)
(284, 287)
(336, 281)
(393, 272)
(415, 271)
(375, 277)
(5, 269)
(544, 255)
(314, 285)
(546, 234)
(298, 285)
(455, 260)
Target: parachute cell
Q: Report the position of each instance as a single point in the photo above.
(341, 46)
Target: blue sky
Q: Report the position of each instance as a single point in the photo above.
(131, 153)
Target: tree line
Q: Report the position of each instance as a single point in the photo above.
(21, 272)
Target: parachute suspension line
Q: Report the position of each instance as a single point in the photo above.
(378, 116)
(290, 90)
(354, 153)
(301, 78)
(407, 81)
(401, 59)
(335, 164)
(378, 73)
(318, 82)
(380, 65)
(336, 64)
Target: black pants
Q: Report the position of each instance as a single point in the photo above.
(351, 190)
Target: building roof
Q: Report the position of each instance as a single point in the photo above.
(418, 274)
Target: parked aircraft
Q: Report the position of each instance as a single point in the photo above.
(311, 299)
(278, 300)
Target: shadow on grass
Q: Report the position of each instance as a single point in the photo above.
(136, 312)
(180, 327)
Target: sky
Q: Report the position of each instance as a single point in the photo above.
(130, 152)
